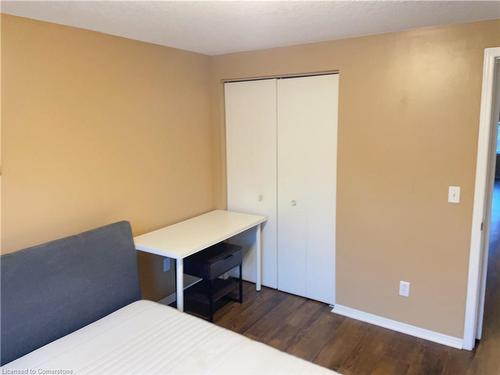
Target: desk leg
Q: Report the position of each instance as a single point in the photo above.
(258, 232)
(179, 284)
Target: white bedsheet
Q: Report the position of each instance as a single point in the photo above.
(148, 338)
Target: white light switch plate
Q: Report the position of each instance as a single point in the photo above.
(454, 194)
(404, 288)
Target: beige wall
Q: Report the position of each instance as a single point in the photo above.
(97, 129)
(408, 125)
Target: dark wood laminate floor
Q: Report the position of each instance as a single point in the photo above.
(309, 330)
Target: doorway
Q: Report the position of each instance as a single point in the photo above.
(490, 285)
(485, 234)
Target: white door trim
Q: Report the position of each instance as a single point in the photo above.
(480, 198)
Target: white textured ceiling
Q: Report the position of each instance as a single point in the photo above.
(217, 27)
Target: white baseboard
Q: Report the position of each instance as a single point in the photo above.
(408, 329)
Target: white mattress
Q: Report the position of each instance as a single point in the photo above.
(148, 338)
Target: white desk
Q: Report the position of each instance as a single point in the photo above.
(183, 239)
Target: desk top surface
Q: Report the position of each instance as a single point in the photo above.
(190, 236)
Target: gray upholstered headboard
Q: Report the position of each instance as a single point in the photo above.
(53, 289)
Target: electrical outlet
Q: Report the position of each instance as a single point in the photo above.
(166, 264)
(404, 288)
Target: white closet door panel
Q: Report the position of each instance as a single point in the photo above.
(251, 165)
(292, 202)
(307, 141)
(292, 244)
(322, 175)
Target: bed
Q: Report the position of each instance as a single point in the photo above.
(73, 306)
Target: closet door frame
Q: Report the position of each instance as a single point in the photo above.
(278, 77)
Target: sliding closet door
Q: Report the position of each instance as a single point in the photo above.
(251, 165)
(307, 149)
